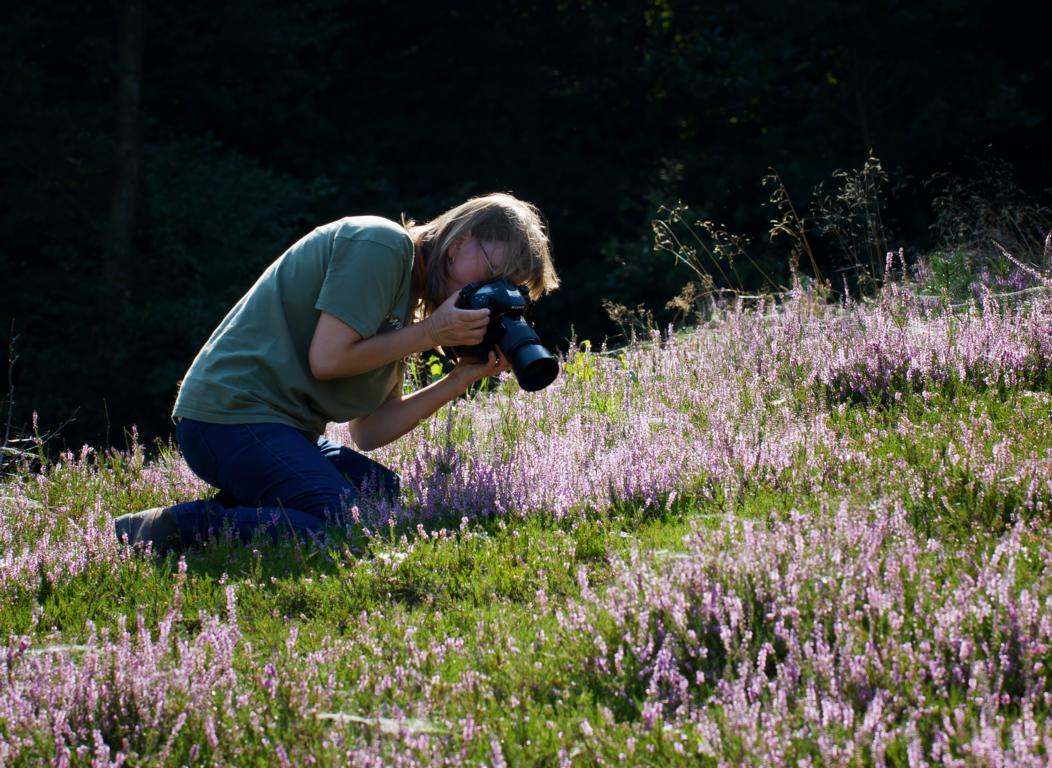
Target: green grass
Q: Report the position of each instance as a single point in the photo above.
(500, 583)
(500, 562)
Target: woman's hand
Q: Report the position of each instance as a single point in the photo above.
(468, 370)
(450, 326)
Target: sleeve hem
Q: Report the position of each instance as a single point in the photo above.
(354, 322)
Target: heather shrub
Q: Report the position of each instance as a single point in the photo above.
(840, 638)
(802, 532)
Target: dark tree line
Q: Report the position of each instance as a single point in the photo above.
(156, 157)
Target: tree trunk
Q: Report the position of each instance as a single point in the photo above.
(127, 145)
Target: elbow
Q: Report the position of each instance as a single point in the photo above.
(326, 367)
(319, 368)
(369, 446)
(319, 373)
(363, 439)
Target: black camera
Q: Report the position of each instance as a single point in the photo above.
(534, 366)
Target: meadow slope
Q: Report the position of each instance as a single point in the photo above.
(800, 534)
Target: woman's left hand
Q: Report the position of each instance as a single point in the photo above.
(469, 370)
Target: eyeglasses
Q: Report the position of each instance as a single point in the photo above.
(492, 271)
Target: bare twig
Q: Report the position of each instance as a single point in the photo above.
(11, 358)
(1025, 267)
(791, 223)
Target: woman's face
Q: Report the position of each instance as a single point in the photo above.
(472, 260)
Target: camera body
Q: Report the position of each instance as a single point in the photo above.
(534, 366)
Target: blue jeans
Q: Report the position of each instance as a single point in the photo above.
(271, 477)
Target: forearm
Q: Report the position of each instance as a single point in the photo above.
(396, 417)
(376, 351)
(338, 351)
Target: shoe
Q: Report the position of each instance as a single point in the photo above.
(155, 526)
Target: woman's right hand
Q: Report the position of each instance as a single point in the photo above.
(450, 326)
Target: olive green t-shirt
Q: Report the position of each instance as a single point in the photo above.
(255, 368)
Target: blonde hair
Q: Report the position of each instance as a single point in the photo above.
(498, 216)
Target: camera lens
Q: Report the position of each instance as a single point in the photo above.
(534, 366)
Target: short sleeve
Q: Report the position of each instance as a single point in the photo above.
(362, 283)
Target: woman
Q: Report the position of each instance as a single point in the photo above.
(322, 336)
